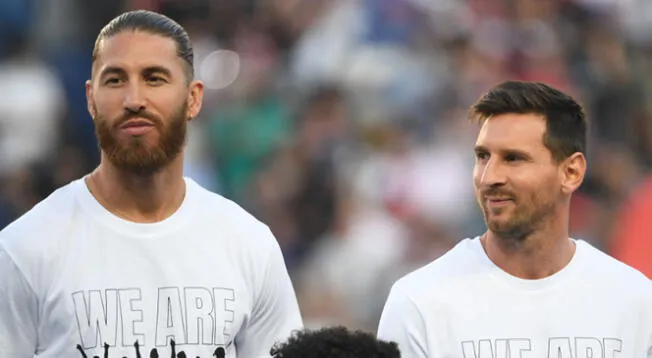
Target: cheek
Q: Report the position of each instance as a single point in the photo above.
(107, 104)
(168, 105)
(544, 188)
(477, 175)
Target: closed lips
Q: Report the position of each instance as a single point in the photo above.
(136, 123)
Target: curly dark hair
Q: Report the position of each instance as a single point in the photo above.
(334, 342)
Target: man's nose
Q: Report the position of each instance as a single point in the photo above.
(493, 174)
(134, 99)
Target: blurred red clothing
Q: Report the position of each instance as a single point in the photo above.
(632, 238)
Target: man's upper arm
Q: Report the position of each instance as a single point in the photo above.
(18, 311)
(275, 313)
(402, 322)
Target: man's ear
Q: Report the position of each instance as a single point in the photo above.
(573, 170)
(195, 98)
(90, 104)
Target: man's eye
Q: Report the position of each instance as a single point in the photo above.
(156, 80)
(112, 81)
(512, 158)
(482, 156)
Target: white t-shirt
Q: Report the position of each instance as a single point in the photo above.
(464, 306)
(210, 277)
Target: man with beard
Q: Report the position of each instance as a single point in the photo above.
(134, 257)
(524, 288)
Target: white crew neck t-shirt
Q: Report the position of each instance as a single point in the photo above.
(464, 306)
(78, 281)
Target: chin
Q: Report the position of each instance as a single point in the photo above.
(142, 143)
(500, 219)
(508, 232)
(498, 227)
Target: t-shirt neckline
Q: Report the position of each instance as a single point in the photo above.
(170, 224)
(545, 283)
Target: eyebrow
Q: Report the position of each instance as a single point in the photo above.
(517, 152)
(480, 149)
(112, 70)
(157, 69)
(115, 70)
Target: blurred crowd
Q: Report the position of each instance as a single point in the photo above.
(342, 124)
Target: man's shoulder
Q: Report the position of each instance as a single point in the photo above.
(614, 273)
(443, 273)
(38, 232)
(215, 204)
(229, 215)
(53, 211)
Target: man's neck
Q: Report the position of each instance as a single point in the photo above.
(138, 198)
(540, 255)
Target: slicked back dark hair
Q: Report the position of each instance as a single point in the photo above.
(335, 342)
(566, 124)
(155, 24)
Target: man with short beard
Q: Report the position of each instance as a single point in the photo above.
(134, 257)
(524, 288)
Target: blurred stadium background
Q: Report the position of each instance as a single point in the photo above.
(342, 123)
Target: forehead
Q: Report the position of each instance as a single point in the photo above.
(137, 49)
(513, 131)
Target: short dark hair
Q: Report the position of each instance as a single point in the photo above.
(566, 124)
(334, 342)
(153, 23)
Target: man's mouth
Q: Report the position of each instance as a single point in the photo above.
(498, 201)
(137, 126)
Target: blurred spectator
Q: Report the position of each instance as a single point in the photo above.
(16, 17)
(31, 108)
(631, 241)
(245, 132)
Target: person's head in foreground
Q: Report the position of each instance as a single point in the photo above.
(530, 158)
(142, 91)
(334, 342)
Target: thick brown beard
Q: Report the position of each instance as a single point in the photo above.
(136, 156)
